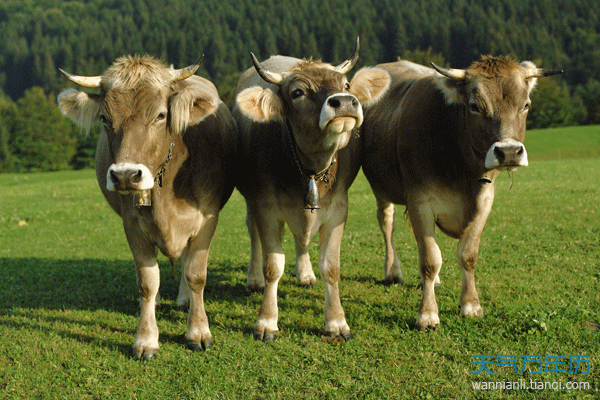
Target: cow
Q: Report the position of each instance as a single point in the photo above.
(436, 143)
(164, 163)
(299, 155)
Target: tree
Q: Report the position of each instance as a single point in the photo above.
(8, 112)
(552, 106)
(43, 139)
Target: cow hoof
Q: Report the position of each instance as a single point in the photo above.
(393, 280)
(145, 354)
(307, 281)
(469, 310)
(202, 346)
(427, 320)
(265, 337)
(333, 338)
(255, 287)
(184, 307)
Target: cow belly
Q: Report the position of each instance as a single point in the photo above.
(450, 210)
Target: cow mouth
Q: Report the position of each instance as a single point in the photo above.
(341, 124)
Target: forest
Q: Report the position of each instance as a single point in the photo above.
(85, 36)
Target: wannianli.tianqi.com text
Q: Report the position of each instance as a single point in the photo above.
(523, 384)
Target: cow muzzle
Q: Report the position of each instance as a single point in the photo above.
(127, 178)
(507, 154)
(341, 113)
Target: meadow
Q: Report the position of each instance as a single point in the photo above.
(69, 303)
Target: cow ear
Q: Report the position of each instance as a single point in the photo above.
(80, 107)
(454, 90)
(190, 106)
(369, 85)
(260, 104)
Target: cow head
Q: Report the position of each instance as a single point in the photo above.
(141, 104)
(317, 100)
(494, 92)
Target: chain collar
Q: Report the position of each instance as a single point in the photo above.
(159, 176)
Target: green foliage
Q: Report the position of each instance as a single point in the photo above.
(69, 303)
(85, 37)
(43, 139)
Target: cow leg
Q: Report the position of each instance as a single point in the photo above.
(330, 234)
(271, 237)
(195, 260)
(387, 224)
(468, 253)
(305, 276)
(144, 253)
(183, 298)
(255, 280)
(430, 263)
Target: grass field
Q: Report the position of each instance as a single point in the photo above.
(69, 304)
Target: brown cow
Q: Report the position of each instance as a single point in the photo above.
(435, 143)
(168, 143)
(299, 155)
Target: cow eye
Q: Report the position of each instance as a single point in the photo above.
(347, 86)
(527, 106)
(104, 119)
(474, 108)
(297, 93)
(161, 117)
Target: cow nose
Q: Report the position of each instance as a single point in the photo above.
(507, 154)
(128, 178)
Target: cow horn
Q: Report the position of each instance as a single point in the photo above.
(85, 81)
(271, 77)
(540, 72)
(450, 72)
(184, 73)
(347, 65)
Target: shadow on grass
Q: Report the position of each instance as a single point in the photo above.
(31, 285)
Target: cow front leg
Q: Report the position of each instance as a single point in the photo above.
(195, 261)
(271, 236)
(147, 272)
(430, 263)
(468, 254)
(255, 280)
(387, 225)
(336, 327)
(305, 276)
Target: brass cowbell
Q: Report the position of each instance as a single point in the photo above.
(311, 200)
(142, 198)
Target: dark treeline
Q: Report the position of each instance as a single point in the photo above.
(85, 36)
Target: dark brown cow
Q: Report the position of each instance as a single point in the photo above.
(299, 152)
(169, 143)
(435, 143)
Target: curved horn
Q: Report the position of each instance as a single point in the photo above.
(540, 72)
(271, 77)
(85, 81)
(184, 73)
(450, 72)
(347, 65)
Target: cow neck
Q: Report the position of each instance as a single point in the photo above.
(327, 176)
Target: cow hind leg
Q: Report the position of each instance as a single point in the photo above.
(387, 224)
(255, 280)
(305, 276)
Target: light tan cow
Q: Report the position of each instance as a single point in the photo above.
(435, 143)
(299, 154)
(169, 144)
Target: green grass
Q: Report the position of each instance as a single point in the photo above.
(69, 306)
